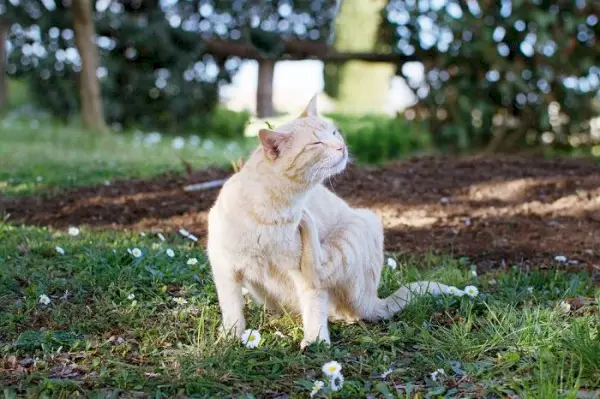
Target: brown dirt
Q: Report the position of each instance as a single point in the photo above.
(496, 210)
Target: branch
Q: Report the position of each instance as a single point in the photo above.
(300, 50)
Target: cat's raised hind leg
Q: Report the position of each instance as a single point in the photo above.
(314, 299)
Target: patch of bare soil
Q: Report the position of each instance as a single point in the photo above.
(496, 210)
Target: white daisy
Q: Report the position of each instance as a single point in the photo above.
(564, 306)
(135, 252)
(73, 231)
(317, 386)
(560, 258)
(170, 253)
(131, 296)
(391, 262)
(60, 250)
(530, 290)
(474, 273)
(162, 238)
(471, 291)
(251, 338)
(180, 301)
(44, 299)
(331, 368)
(437, 373)
(192, 261)
(386, 373)
(178, 143)
(336, 382)
(142, 234)
(39, 179)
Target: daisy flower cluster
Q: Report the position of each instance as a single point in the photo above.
(333, 370)
(470, 290)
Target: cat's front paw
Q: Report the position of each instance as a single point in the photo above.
(307, 341)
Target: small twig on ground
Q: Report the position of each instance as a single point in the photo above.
(206, 185)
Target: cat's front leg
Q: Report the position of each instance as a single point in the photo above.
(231, 301)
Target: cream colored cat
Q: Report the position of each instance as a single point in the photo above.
(276, 230)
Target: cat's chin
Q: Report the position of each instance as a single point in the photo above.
(339, 166)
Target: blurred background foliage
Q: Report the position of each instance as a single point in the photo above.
(500, 75)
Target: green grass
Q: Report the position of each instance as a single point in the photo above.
(93, 341)
(38, 155)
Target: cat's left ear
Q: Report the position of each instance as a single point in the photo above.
(272, 142)
(312, 108)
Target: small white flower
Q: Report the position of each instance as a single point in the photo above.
(331, 368)
(142, 234)
(39, 179)
(73, 231)
(60, 250)
(437, 373)
(251, 338)
(180, 301)
(336, 382)
(560, 258)
(530, 290)
(131, 296)
(386, 373)
(162, 238)
(170, 253)
(187, 234)
(391, 262)
(474, 273)
(564, 306)
(192, 261)
(471, 291)
(178, 143)
(317, 386)
(135, 252)
(44, 299)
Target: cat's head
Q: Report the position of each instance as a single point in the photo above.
(307, 149)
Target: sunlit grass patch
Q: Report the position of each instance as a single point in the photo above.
(149, 323)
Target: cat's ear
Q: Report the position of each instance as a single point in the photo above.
(312, 107)
(272, 142)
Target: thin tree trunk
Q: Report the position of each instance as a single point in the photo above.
(3, 83)
(264, 91)
(359, 87)
(89, 87)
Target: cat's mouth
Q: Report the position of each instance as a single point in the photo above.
(341, 163)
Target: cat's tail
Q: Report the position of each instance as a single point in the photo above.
(386, 308)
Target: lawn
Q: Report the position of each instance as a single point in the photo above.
(114, 323)
(38, 155)
(82, 315)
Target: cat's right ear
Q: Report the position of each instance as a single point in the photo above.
(272, 142)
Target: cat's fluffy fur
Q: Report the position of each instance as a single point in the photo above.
(276, 230)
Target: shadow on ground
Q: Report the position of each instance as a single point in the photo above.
(497, 210)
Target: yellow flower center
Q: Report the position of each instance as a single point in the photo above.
(332, 368)
(251, 338)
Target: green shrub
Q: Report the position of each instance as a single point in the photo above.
(377, 138)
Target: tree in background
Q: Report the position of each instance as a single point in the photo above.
(3, 85)
(502, 74)
(89, 88)
(358, 86)
(161, 63)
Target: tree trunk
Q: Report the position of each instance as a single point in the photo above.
(264, 90)
(3, 83)
(89, 87)
(357, 86)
